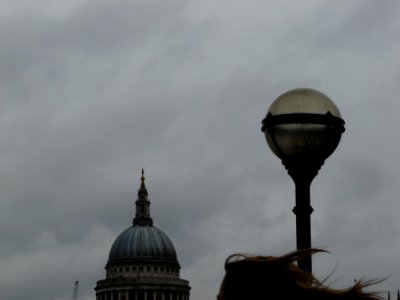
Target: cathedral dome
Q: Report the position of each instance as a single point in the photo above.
(142, 263)
(142, 243)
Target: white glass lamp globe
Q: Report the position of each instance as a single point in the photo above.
(303, 124)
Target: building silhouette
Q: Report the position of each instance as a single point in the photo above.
(142, 263)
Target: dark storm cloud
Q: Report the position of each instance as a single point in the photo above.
(93, 92)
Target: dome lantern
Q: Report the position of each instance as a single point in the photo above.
(142, 215)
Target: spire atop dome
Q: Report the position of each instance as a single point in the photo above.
(142, 178)
(142, 215)
(142, 191)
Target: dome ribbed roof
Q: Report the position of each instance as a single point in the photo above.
(142, 243)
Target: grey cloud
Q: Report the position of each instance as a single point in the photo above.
(92, 95)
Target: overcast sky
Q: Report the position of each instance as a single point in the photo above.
(91, 91)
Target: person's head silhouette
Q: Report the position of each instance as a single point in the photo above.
(266, 277)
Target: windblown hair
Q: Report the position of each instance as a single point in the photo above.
(279, 278)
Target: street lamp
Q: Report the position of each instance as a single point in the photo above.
(303, 127)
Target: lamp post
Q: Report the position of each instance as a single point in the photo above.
(303, 127)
